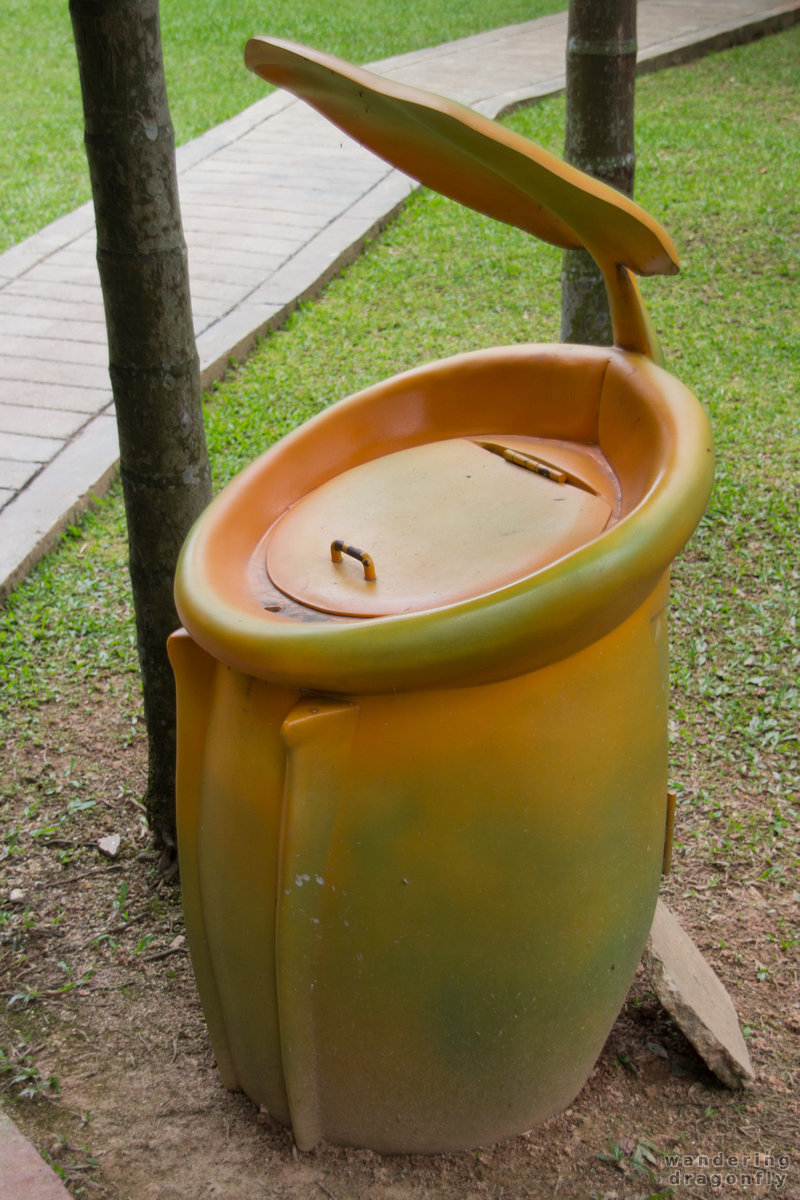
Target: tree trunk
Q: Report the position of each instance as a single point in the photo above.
(601, 76)
(154, 368)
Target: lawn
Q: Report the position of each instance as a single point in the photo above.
(43, 170)
(101, 998)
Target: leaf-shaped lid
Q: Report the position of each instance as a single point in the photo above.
(485, 166)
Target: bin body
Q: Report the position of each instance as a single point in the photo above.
(420, 852)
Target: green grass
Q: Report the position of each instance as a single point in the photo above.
(43, 170)
(68, 629)
(718, 165)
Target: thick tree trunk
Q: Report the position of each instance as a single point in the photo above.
(601, 76)
(155, 376)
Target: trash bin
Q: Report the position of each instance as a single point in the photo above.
(422, 693)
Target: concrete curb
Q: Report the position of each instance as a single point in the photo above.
(24, 1175)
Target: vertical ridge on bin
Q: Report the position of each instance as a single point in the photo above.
(317, 735)
(194, 679)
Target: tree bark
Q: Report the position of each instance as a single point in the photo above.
(142, 259)
(601, 76)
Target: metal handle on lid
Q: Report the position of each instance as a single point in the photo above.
(338, 548)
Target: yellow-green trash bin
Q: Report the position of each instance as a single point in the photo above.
(422, 691)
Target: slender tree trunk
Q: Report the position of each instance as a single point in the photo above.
(601, 75)
(155, 376)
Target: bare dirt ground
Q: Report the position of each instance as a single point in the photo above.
(106, 1064)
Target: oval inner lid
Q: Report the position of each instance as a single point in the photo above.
(442, 523)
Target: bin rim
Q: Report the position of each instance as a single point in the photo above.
(517, 628)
